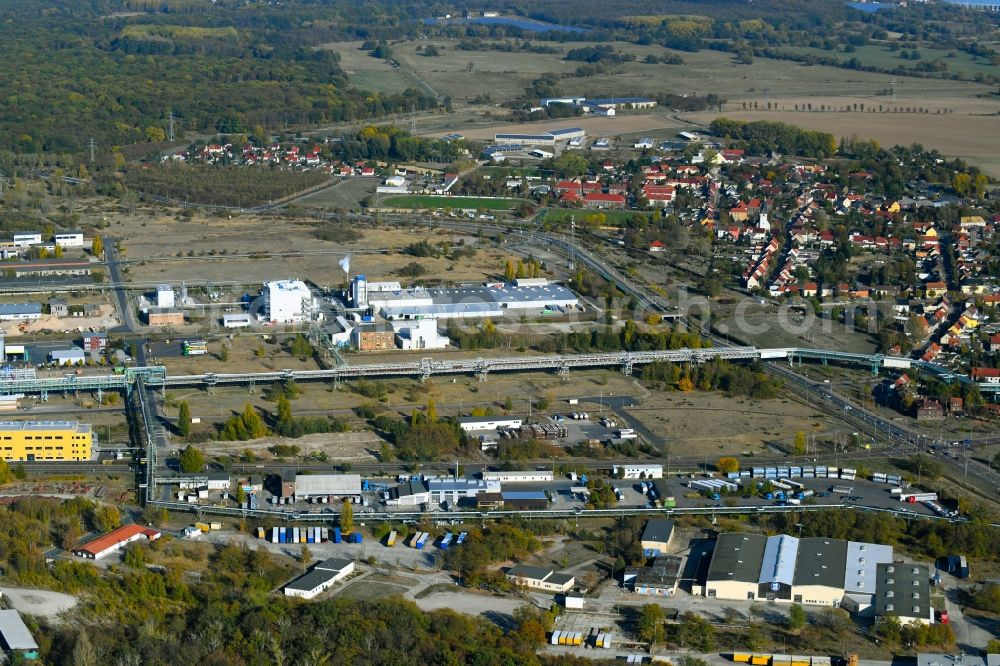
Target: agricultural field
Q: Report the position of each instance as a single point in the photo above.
(880, 55)
(973, 135)
(432, 201)
(781, 83)
(465, 75)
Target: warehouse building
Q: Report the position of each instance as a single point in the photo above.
(656, 537)
(50, 267)
(525, 476)
(73, 356)
(420, 334)
(236, 320)
(544, 139)
(782, 568)
(164, 317)
(450, 489)
(539, 578)
(32, 441)
(904, 590)
(638, 471)
(820, 572)
(287, 301)
(69, 239)
(411, 493)
(734, 570)
(525, 500)
(488, 300)
(330, 485)
(16, 637)
(659, 579)
(478, 423)
(20, 311)
(859, 579)
(27, 239)
(114, 540)
(320, 578)
(443, 311)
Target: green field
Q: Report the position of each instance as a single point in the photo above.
(879, 55)
(468, 203)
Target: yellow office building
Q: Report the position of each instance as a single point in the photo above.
(30, 441)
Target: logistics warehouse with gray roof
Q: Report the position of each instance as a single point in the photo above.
(813, 570)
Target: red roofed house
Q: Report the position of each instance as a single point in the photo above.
(657, 246)
(658, 195)
(987, 375)
(738, 213)
(599, 200)
(930, 410)
(114, 540)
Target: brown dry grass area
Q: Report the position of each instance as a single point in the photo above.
(159, 239)
(975, 138)
(712, 424)
(353, 446)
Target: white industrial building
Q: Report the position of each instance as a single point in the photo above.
(68, 356)
(639, 471)
(236, 320)
(340, 336)
(442, 311)
(287, 301)
(27, 240)
(320, 579)
(361, 288)
(487, 300)
(476, 423)
(20, 311)
(450, 489)
(318, 485)
(525, 476)
(69, 239)
(419, 334)
(165, 296)
(411, 493)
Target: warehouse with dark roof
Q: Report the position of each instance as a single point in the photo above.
(814, 570)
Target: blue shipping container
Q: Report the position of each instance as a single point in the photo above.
(356, 537)
(336, 535)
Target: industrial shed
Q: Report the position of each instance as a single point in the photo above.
(525, 501)
(539, 578)
(336, 485)
(15, 635)
(320, 579)
(656, 537)
(103, 546)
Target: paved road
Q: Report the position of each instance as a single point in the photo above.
(114, 263)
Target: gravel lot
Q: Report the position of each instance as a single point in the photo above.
(39, 602)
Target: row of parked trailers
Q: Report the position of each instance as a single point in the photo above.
(605, 641)
(420, 539)
(310, 535)
(536, 431)
(794, 471)
(780, 659)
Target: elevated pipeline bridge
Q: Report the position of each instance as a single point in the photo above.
(156, 377)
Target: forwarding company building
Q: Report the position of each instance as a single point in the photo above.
(781, 568)
(477, 302)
